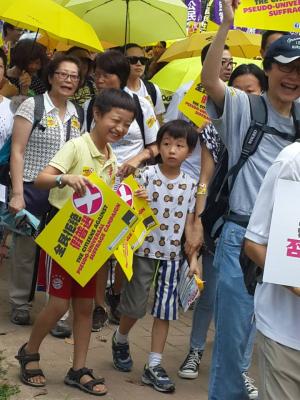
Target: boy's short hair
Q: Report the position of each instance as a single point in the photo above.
(114, 62)
(108, 99)
(178, 129)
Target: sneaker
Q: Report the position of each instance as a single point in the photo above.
(20, 317)
(189, 369)
(249, 384)
(61, 330)
(158, 378)
(113, 301)
(121, 355)
(100, 318)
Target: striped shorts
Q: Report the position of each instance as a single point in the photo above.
(135, 293)
(166, 295)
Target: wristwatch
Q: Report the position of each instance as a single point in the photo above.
(59, 182)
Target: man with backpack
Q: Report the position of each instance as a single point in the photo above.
(230, 113)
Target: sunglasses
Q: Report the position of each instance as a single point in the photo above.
(134, 60)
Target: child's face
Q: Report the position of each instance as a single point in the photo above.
(113, 125)
(173, 151)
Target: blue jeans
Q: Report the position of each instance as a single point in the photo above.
(204, 308)
(234, 311)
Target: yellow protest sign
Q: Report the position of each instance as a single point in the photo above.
(87, 230)
(147, 222)
(193, 104)
(269, 15)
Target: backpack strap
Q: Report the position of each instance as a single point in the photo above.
(259, 118)
(80, 112)
(151, 90)
(296, 119)
(38, 111)
(89, 114)
(139, 116)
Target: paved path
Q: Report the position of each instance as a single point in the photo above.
(56, 358)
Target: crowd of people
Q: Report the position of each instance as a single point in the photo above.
(72, 110)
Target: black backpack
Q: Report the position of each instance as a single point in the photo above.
(37, 117)
(217, 204)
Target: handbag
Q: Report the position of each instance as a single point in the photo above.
(36, 200)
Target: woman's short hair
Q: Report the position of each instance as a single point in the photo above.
(55, 63)
(114, 62)
(114, 98)
(245, 69)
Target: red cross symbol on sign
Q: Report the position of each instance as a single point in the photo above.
(125, 192)
(91, 202)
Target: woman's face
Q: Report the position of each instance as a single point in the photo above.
(105, 80)
(34, 66)
(65, 79)
(137, 60)
(2, 69)
(248, 83)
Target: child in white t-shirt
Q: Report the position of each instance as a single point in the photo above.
(172, 196)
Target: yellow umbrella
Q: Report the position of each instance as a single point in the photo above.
(53, 44)
(52, 20)
(241, 44)
(139, 21)
(178, 72)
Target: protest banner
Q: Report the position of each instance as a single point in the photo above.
(269, 15)
(282, 264)
(193, 104)
(87, 230)
(146, 223)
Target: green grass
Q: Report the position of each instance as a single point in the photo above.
(6, 390)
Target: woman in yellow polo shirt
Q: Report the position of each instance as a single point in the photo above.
(114, 111)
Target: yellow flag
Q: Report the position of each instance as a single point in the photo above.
(147, 222)
(87, 230)
(269, 15)
(193, 104)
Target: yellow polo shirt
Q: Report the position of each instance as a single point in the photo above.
(76, 155)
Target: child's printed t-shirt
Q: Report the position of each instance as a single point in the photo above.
(171, 201)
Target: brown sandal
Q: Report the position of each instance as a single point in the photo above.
(73, 379)
(27, 374)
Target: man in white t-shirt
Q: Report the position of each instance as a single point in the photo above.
(277, 308)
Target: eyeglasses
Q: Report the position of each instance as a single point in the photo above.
(134, 60)
(229, 63)
(288, 68)
(63, 76)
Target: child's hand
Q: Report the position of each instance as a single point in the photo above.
(195, 268)
(76, 182)
(126, 169)
(141, 193)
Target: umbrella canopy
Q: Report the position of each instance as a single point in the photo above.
(139, 21)
(52, 20)
(178, 72)
(241, 44)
